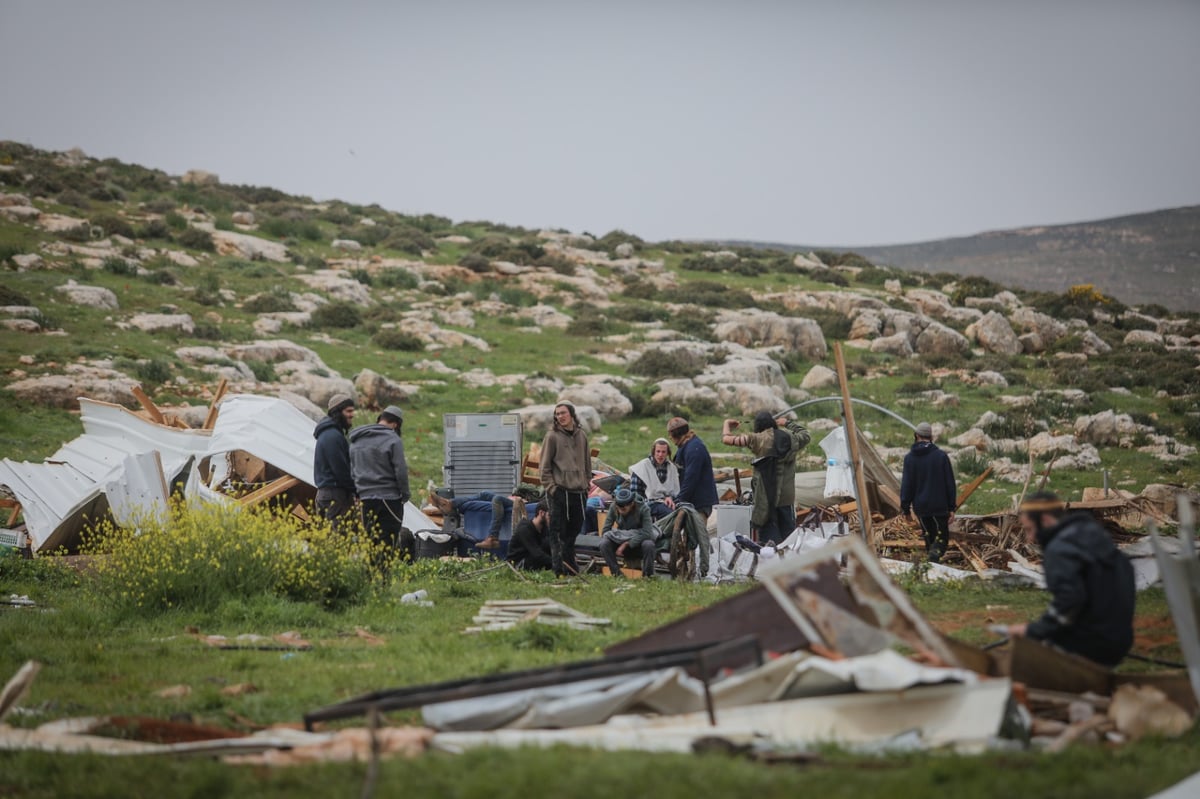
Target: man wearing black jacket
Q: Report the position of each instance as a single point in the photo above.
(530, 544)
(331, 460)
(927, 490)
(1089, 579)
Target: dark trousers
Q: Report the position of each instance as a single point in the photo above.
(779, 526)
(937, 535)
(383, 519)
(332, 502)
(608, 548)
(566, 522)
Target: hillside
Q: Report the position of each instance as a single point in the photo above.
(1150, 258)
(118, 275)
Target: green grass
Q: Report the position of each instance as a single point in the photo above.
(98, 661)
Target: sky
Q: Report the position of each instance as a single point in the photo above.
(822, 123)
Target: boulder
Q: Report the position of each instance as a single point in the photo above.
(893, 286)
(765, 329)
(537, 419)
(27, 261)
(974, 437)
(1044, 443)
(867, 324)
(80, 380)
(252, 248)
(545, 316)
(1048, 328)
(750, 398)
(158, 322)
(91, 296)
(338, 285)
(180, 258)
(436, 337)
(317, 388)
(13, 200)
(200, 177)
(1108, 429)
(763, 372)
(376, 391)
(990, 378)
(21, 213)
(995, 334)
(1144, 338)
(682, 391)
(819, 377)
(21, 325)
(1074, 358)
(896, 344)
(264, 326)
(346, 245)
(937, 339)
(274, 351)
(624, 250)
(243, 218)
(929, 301)
(607, 399)
(439, 368)
(1031, 343)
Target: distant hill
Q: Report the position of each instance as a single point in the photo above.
(1144, 258)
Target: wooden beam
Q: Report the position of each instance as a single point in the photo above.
(211, 418)
(970, 489)
(864, 510)
(271, 489)
(16, 510)
(147, 404)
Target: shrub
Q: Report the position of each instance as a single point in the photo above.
(658, 364)
(639, 312)
(79, 234)
(589, 321)
(397, 279)
(74, 199)
(973, 286)
(823, 275)
(276, 300)
(207, 331)
(199, 557)
(500, 248)
(337, 314)
(640, 290)
(196, 239)
(264, 371)
(708, 293)
(392, 339)
(475, 262)
(409, 240)
(175, 220)
(835, 326)
(696, 325)
(11, 296)
(155, 229)
(362, 276)
(119, 266)
(152, 371)
(561, 265)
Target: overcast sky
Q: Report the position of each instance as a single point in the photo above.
(835, 123)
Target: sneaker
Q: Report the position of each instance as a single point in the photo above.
(491, 542)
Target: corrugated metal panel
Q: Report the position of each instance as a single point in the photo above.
(53, 498)
(268, 428)
(140, 491)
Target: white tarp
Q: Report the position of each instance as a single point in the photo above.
(839, 477)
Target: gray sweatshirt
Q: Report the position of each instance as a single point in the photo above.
(377, 463)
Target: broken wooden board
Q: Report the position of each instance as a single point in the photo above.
(506, 614)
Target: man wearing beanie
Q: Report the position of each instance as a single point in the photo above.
(927, 490)
(566, 464)
(628, 526)
(381, 478)
(331, 460)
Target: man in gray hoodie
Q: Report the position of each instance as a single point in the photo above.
(566, 462)
(381, 480)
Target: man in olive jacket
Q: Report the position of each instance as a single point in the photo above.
(566, 471)
(775, 442)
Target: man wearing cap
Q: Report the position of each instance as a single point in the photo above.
(1090, 582)
(566, 471)
(530, 545)
(656, 479)
(381, 479)
(697, 486)
(775, 442)
(927, 489)
(628, 526)
(331, 460)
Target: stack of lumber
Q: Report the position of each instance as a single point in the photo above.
(505, 614)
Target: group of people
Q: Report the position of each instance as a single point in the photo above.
(1091, 582)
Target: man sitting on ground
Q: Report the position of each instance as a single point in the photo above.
(530, 544)
(1089, 579)
(498, 504)
(656, 478)
(628, 526)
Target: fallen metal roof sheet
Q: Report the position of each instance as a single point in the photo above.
(55, 499)
(268, 428)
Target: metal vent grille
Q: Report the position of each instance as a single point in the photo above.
(474, 466)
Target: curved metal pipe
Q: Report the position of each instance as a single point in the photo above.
(869, 404)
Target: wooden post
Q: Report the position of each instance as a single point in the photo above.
(147, 404)
(864, 508)
(970, 489)
(211, 418)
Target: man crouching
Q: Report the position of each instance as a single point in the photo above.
(628, 526)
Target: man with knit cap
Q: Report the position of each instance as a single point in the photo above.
(697, 486)
(566, 470)
(331, 460)
(927, 490)
(775, 443)
(628, 526)
(381, 478)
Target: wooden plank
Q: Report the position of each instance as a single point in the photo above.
(147, 404)
(970, 489)
(864, 515)
(972, 557)
(16, 510)
(248, 467)
(271, 489)
(211, 418)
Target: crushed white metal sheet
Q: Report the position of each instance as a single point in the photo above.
(269, 429)
(55, 500)
(672, 692)
(141, 491)
(1181, 582)
(959, 715)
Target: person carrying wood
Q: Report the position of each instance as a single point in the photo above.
(1090, 582)
(927, 490)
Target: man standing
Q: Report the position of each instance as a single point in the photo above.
(628, 526)
(530, 544)
(566, 470)
(775, 442)
(697, 487)
(331, 460)
(381, 478)
(1089, 579)
(927, 489)
(656, 478)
